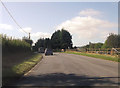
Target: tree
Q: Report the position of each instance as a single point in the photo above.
(105, 45)
(92, 45)
(98, 45)
(40, 43)
(28, 40)
(56, 39)
(66, 39)
(44, 43)
(113, 41)
(61, 39)
(47, 43)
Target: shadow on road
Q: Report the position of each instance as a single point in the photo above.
(61, 79)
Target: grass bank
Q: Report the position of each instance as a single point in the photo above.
(26, 65)
(105, 57)
(15, 72)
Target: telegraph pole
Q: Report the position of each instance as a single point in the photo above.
(29, 35)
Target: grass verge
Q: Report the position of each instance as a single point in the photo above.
(13, 73)
(105, 57)
(26, 65)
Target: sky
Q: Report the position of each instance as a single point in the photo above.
(86, 21)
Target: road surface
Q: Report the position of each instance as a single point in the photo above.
(71, 70)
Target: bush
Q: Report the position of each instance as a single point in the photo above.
(10, 45)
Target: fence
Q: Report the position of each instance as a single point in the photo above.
(112, 51)
(108, 51)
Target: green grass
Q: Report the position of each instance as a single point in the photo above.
(105, 57)
(25, 66)
(13, 73)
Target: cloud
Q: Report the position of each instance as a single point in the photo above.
(6, 27)
(37, 35)
(90, 12)
(26, 29)
(88, 27)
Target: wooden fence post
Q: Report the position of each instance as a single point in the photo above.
(111, 52)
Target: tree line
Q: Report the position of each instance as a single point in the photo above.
(112, 41)
(60, 39)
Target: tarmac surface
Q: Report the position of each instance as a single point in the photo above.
(63, 69)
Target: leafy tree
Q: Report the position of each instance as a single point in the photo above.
(113, 41)
(61, 39)
(66, 41)
(28, 40)
(56, 39)
(86, 46)
(40, 43)
(98, 45)
(47, 43)
(105, 45)
(92, 45)
(74, 47)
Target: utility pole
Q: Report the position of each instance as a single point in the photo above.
(29, 35)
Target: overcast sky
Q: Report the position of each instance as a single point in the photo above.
(86, 21)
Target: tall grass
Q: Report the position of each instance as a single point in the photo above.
(10, 45)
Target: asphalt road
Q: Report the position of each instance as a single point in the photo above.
(71, 70)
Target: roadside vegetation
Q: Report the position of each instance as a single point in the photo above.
(11, 45)
(112, 41)
(13, 71)
(105, 57)
(60, 39)
(26, 65)
(109, 50)
(17, 58)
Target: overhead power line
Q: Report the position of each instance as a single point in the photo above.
(13, 18)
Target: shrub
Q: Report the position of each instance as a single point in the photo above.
(10, 45)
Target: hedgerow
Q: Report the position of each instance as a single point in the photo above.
(11, 45)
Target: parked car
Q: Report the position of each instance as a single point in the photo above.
(48, 52)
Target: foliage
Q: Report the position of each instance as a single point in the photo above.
(98, 45)
(27, 40)
(112, 41)
(61, 39)
(10, 45)
(93, 45)
(16, 68)
(105, 46)
(45, 43)
(66, 41)
(27, 64)
(56, 39)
